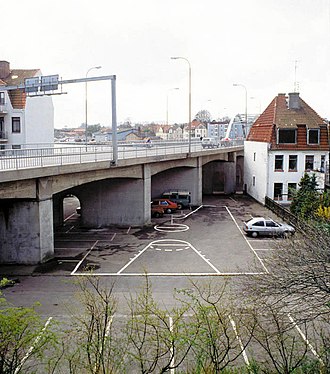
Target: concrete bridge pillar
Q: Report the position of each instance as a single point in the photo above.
(26, 231)
(118, 201)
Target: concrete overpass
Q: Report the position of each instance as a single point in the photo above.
(31, 199)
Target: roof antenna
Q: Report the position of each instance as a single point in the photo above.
(296, 84)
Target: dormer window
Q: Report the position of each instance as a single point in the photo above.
(287, 136)
(2, 98)
(313, 136)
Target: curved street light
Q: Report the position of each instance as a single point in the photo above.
(94, 67)
(246, 119)
(189, 123)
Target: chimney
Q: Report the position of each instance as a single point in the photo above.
(4, 69)
(294, 101)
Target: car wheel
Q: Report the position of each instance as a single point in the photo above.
(254, 234)
(180, 206)
(287, 234)
(168, 210)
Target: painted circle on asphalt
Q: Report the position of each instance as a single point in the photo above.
(170, 245)
(171, 227)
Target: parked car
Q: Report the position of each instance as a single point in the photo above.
(181, 197)
(157, 211)
(210, 143)
(168, 205)
(267, 227)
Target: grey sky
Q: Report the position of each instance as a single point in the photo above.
(254, 43)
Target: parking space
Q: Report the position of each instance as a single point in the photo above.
(207, 241)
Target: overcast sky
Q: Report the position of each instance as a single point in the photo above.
(251, 42)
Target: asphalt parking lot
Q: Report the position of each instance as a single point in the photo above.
(207, 242)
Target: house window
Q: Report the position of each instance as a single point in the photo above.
(278, 162)
(278, 191)
(254, 156)
(293, 161)
(309, 163)
(2, 98)
(16, 146)
(292, 187)
(287, 136)
(313, 136)
(253, 181)
(16, 124)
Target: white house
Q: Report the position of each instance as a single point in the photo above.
(288, 139)
(24, 120)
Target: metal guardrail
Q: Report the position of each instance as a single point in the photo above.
(282, 212)
(59, 154)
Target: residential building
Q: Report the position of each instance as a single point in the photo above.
(129, 135)
(288, 139)
(24, 120)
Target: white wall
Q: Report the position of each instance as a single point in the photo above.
(255, 168)
(39, 120)
(287, 176)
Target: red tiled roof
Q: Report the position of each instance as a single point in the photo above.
(278, 115)
(15, 78)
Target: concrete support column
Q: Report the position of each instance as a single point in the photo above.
(121, 202)
(147, 193)
(26, 231)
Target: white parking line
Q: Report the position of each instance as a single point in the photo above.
(305, 339)
(83, 259)
(169, 274)
(27, 355)
(246, 359)
(252, 249)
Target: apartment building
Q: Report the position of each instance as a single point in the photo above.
(288, 139)
(24, 120)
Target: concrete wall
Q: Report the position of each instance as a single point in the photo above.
(26, 231)
(123, 202)
(219, 177)
(189, 178)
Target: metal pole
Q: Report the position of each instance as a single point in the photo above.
(189, 105)
(114, 121)
(86, 106)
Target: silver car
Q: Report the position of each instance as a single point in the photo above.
(210, 143)
(267, 227)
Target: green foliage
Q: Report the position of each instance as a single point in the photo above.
(23, 338)
(306, 199)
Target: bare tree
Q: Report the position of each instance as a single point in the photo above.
(156, 337)
(299, 274)
(222, 338)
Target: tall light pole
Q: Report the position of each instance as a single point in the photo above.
(170, 89)
(94, 67)
(246, 119)
(189, 123)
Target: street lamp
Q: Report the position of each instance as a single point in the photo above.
(170, 89)
(189, 123)
(94, 67)
(246, 119)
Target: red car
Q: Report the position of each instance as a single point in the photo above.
(168, 205)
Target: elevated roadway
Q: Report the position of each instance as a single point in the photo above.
(34, 183)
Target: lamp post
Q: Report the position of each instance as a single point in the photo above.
(170, 89)
(94, 67)
(246, 119)
(189, 123)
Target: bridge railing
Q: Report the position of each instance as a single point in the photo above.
(60, 154)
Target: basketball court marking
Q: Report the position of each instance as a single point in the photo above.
(159, 245)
